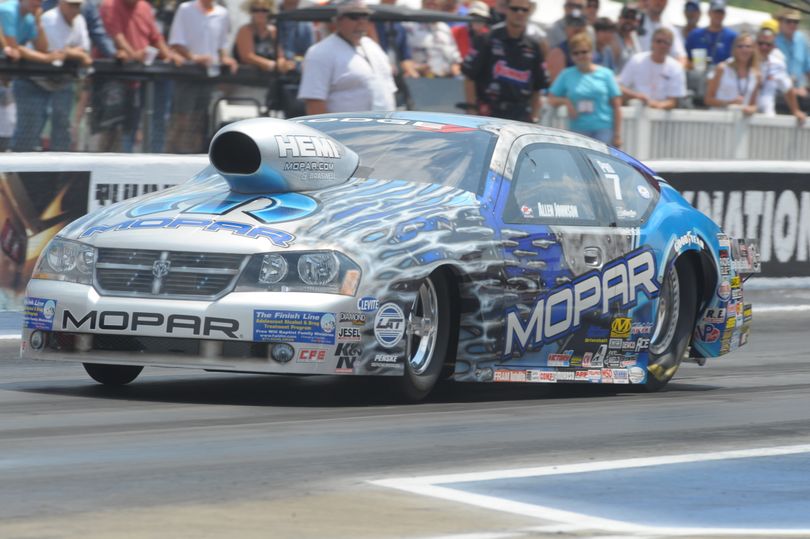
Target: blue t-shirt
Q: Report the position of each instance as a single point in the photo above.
(797, 56)
(591, 94)
(23, 29)
(717, 44)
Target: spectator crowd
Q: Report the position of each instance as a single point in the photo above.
(585, 62)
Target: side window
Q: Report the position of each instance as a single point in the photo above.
(629, 193)
(549, 187)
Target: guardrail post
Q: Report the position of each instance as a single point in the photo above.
(742, 134)
(643, 131)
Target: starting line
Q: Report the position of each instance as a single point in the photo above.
(755, 489)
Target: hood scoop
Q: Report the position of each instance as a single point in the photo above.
(268, 155)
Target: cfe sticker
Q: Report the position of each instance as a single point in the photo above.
(389, 325)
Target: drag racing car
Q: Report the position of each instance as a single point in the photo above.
(414, 246)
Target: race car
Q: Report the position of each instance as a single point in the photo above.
(418, 246)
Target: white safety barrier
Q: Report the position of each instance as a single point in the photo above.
(705, 134)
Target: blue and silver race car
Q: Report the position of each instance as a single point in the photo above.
(409, 245)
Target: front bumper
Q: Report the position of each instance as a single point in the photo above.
(328, 334)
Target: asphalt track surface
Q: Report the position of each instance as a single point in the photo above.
(187, 454)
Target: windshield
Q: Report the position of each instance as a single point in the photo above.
(453, 156)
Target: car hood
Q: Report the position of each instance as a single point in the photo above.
(205, 215)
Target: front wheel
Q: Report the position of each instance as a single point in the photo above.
(112, 375)
(429, 336)
(674, 324)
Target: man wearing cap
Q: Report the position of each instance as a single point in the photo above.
(691, 12)
(715, 39)
(654, 20)
(627, 36)
(560, 56)
(775, 77)
(347, 71)
(66, 33)
(794, 46)
(505, 74)
(468, 36)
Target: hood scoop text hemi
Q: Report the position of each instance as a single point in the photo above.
(269, 155)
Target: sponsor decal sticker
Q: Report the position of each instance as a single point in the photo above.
(620, 376)
(559, 360)
(715, 316)
(642, 344)
(607, 376)
(581, 375)
(641, 329)
(389, 325)
(39, 313)
(293, 326)
(368, 304)
(707, 333)
(357, 319)
(643, 192)
(690, 238)
(615, 344)
(731, 323)
(347, 354)
(507, 375)
(385, 360)
(349, 334)
(724, 290)
(636, 375)
(620, 328)
(628, 346)
(586, 359)
(565, 376)
(311, 355)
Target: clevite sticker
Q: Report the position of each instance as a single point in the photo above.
(39, 313)
(368, 304)
(293, 326)
(389, 325)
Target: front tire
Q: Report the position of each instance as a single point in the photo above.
(428, 336)
(674, 324)
(112, 375)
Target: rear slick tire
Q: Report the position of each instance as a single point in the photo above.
(112, 375)
(428, 337)
(674, 325)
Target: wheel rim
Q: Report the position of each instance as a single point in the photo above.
(666, 320)
(422, 325)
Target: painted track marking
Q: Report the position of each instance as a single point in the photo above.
(432, 486)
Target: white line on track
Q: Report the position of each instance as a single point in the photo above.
(11, 337)
(781, 309)
(432, 486)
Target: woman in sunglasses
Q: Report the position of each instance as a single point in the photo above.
(737, 80)
(590, 94)
(256, 41)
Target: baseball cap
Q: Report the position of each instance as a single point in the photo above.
(479, 9)
(717, 5)
(691, 5)
(630, 11)
(770, 24)
(345, 7)
(790, 14)
(575, 18)
(75, 1)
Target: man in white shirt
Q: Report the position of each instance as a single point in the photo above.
(775, 77)
(347, 71)
(653, 20)
(199, 34)
(38, 98)
(654, 77)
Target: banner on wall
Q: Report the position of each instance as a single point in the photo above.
(772, 207)
(34, 206)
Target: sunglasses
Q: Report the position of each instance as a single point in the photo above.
(663, 42)
(765, 44)
(357, 16)
(259, 10)
(745, 46)
(574, 6)
(516, 9)
(580, 53)
(790, 21)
